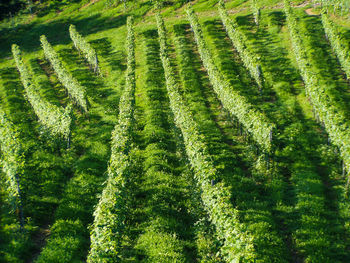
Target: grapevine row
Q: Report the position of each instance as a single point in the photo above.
(56, 119)
(110, 212)
(343, 5)
(305, 182)
(255, 122)
(12, 159)
(239, 244)
(75, 90)
(255, 9)
(338, 44)
(83, 46)
(254, 211)
(333, 117)
(239, 40)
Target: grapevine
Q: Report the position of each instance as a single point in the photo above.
(83, 46)
(332, 116)
(75, 90)
(12, 161)
(110, 212)
(239, 244)
(339, 45)
(255, 122)
(239, 40)
(56, 119)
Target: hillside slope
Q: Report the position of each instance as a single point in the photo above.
(202, 132)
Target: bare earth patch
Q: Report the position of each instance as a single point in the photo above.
(310, 12)
(39, 239)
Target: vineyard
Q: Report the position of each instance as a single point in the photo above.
(203, 131)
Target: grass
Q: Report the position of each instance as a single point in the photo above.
(294, 199)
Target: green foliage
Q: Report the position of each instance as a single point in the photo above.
(111, 210)
(343, 5)
(64, 243)
(161, 247)
(256, 11)
(15, 240)
(166, 193)
(325, 105)
(75, 90)
(250, 60)
(240, 245)
(297, 156)
(251, 204)
(12, 162)
(56, 119)
(339, 44)
(151, 219)
(83, 46)
(73, 215)
(255, 122)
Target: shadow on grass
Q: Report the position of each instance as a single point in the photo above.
(90, 145)
(14, 92)
(113, 57)
(27, 36)
(326, 62)
(233, 170)
(231, 64)
(276, 18)
(46, 169)
(246, 21)
(346, 34)
(308, 169)
(95, 87)
(274, 59)
(55, 6)
(48, 85)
